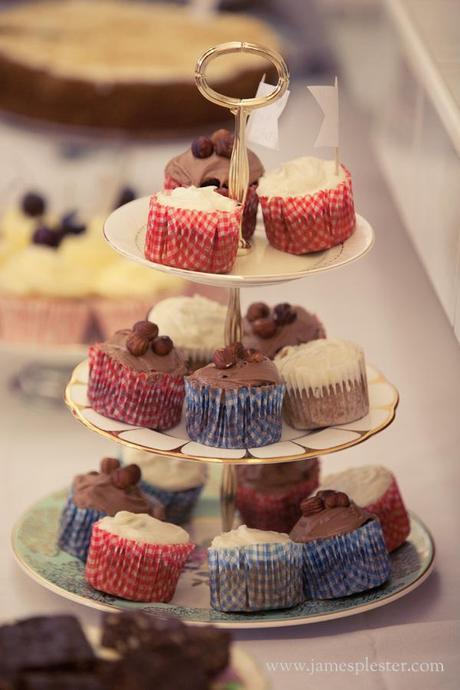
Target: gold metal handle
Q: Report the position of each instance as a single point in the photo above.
(240, 107)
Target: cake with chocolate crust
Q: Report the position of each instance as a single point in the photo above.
(236, 401)
(343, 547)
(207, 163)
(269, 329)
(137, 376)
(116, 65)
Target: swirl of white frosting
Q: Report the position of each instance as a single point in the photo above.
(170, 474)
(364, 485)
(244, 536)
(192, 322)
(143, 528)
(300, 177)
(321, 363)
(197, 199)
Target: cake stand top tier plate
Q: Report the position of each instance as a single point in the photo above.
(264, 265)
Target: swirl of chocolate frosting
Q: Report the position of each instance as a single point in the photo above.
(149, 361)
(234, 367)
(328, 514)
(114, 489)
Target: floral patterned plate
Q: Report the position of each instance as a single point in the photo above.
(34, 547)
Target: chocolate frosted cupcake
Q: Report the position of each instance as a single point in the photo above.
(254, 570)
(270, 329)
(96, 494)
(207, 163)
(343, 547)
(137, 377)
(326, 383)
(269, 496)
(236, 401)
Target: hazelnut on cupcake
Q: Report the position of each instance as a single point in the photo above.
(207, 163)
(96, 494)
(269, 496)
(306, 206)
(326, 383)
(236, 401)
(193, 228)
(343, 547)
(270, 329)
(137, 377)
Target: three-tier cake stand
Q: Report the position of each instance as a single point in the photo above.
(257, 265)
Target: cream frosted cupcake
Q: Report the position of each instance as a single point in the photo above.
(326, 383)
(193, 228)
(177, 484)
(196, 324)
(254, 570)
(137, 557)
(306, 206)
(375, 489)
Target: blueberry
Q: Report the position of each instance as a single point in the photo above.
(46, 237)
(202, 147)
(126, 195)
(70, 225)
(33, 204)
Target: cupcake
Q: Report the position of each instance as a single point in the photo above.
(137, 557)
(375, 489)
(306, 206)
(137, 376)
(254, 570)
(177, 484)
(193, 228)
(236, 401)
(343, 547)
(96, 494)
(207, 163)
(269, 496)
(196, 324)
(269, 330)
(326, 383)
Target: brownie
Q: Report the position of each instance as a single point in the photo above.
(158, 670)
(47, 680)
(44, 643)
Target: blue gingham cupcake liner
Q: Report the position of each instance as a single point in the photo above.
(346, 564)
(75, 528)
(240, 418)
(178, 505)
(255, 577)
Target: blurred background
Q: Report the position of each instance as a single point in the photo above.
(97, 95)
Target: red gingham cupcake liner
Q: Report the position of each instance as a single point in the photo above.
(144, 399)
(277, 512)
(133, 570)
(392, 513)
(249, 210)
(43, 320)
(194, 240)
(311, 223)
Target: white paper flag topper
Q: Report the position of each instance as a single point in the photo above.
(328, 100)
(262, 127)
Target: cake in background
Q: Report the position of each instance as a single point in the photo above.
(270, 329)
(306, 206)
(137, 557)
(60, 281)
(177, 484)
(269, 496)
(207, 163)
(137, 377)
(375, 489)
(326, 383)
(343, 547)
(196, 324)
(134, 69)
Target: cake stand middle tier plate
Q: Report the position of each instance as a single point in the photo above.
(264, 265)
(294, 445)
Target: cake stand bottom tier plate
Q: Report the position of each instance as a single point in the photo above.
(34, 546)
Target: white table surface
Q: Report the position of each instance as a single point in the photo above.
(384, 302)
